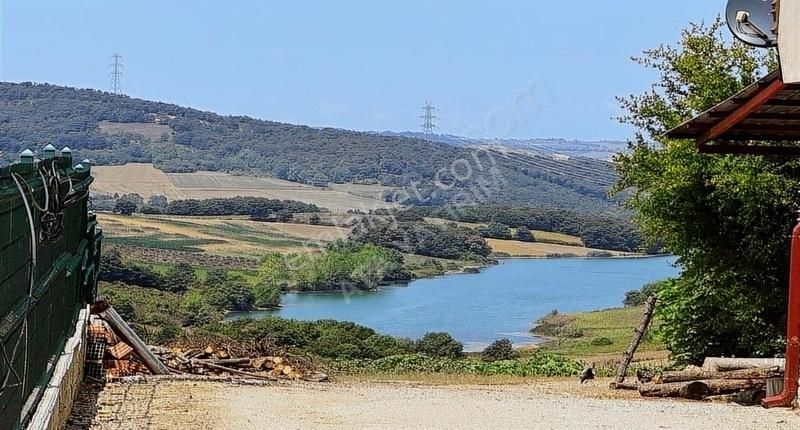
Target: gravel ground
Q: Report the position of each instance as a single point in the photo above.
(368, 405)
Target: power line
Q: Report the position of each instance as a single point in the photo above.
(116, 73)
(427, 117)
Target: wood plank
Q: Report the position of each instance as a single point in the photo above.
(758, 100)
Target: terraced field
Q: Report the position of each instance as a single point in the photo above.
(229, 236)
(146, 180)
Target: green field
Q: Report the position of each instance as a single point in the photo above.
(616, 325)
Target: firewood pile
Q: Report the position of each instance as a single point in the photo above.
(115, 351)
(742, 381)
(219, 360)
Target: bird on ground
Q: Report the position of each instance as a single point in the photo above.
(587, 374)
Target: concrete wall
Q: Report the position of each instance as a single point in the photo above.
(55, 405)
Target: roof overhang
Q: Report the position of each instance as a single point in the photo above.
(766, 111)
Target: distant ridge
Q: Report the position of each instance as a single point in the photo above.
(115, 129)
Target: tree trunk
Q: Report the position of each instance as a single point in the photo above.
(701, 389)
(724, 364)
(700, 374)
(627, 356)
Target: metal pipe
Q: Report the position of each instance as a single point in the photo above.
(792, 370)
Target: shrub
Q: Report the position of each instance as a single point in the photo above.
(523, 234)
(197, 309)
(440, 345)
(601, 341)
(639, 297)
(495, 230)
(557, 325)
(599, 254)
(502, 349)
(180, 278)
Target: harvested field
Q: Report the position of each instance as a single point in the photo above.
(230, 236)
(146, 180)
(541, 404)
(539, 249)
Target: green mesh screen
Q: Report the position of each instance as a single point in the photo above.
(37, 317)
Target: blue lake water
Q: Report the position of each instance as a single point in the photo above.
(500, 301)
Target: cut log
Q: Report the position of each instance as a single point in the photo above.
(258, 363)
(718, 364)
(699, 374)
(227, 361)
(627, 356)
(233, 371)
(623, 386)
(700, 389)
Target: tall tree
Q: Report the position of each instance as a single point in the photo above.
(728, 218)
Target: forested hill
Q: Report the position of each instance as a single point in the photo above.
(113, 129)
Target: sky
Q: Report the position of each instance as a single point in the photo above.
(492, 69)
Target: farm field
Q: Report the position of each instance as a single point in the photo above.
(540, 249)
(230, 236)
(146, 180)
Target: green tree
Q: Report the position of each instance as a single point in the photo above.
(180, 278)
(523, 234)
(495, 230)
(726, 217)
(440, 345)
(501, 349)
(266, 295)
(125, 207)
(197, 309)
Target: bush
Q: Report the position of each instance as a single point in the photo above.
(523, 234)
(495, 230)
(502, 349)
(197, 309)
(180, 278)
(557, 325)
(601, 341)
(440, 345)
(539, 364)
(599, 254)
(639, 297)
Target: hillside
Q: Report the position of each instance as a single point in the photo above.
(146, 180)
(112, 129)
(597, 149)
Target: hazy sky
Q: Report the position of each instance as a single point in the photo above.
(521, 68)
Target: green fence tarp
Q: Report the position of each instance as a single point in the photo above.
(39, 304)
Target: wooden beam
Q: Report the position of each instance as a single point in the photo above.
(726, 148)
(762, 115)
(737, 116)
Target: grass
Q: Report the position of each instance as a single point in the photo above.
(617, 325)
(162, 241)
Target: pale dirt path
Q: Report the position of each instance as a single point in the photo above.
(362, 405)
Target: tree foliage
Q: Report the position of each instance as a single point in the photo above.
(443, 241)
(499, 350)
(728, 218)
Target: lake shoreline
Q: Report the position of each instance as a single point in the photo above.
(500, 301)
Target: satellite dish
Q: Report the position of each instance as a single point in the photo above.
(752, 22)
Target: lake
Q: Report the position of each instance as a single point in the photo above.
(500, 301)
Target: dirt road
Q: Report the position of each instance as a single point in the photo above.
(195, 405)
